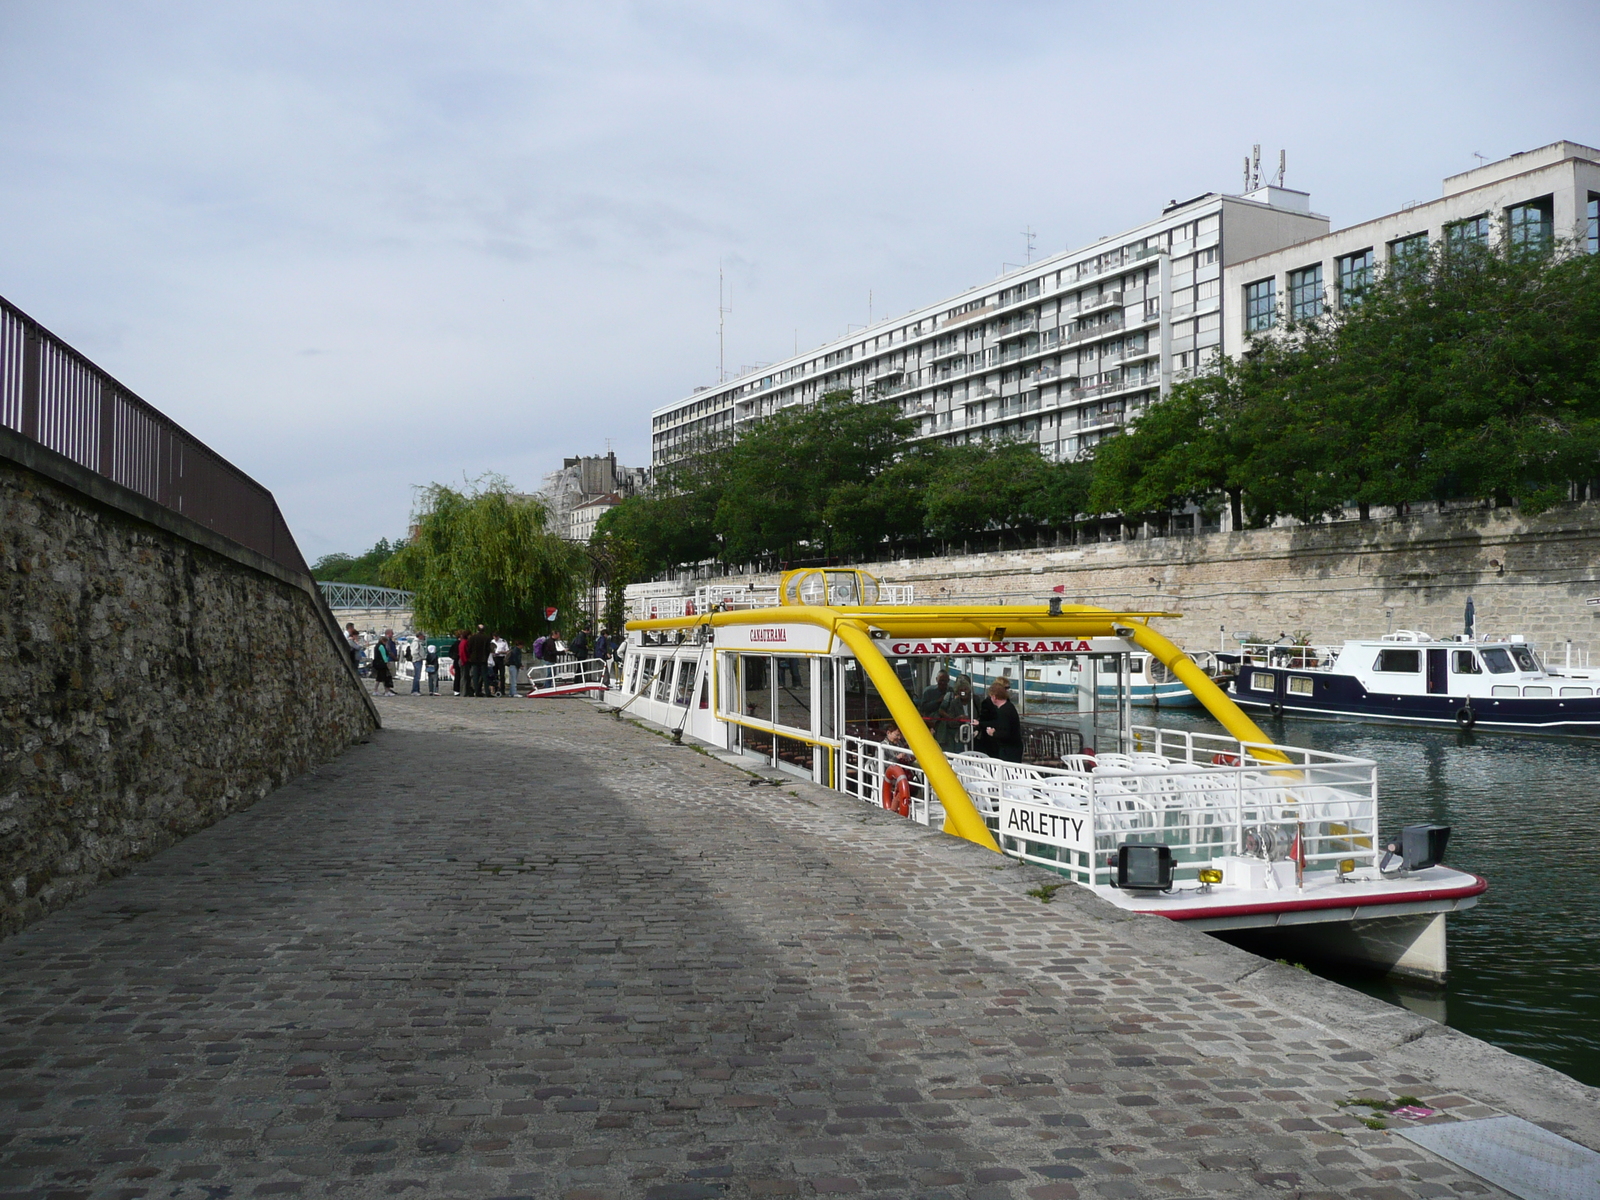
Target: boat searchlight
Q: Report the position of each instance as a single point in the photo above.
(1417, 848)
(1144, 867)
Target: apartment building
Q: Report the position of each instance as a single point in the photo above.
(1531, 198)
(1060, 352)
(584, 488)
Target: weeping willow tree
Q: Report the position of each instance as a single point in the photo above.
(487, 555)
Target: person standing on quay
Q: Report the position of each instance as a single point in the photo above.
(502, 656)
(430, 659)
(999, 724)
(382, 668)
(580, 645)
(478, 651)
(514, 668)
(461, 662)
(415, 651)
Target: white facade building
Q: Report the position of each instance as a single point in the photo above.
(1059, 352)
(1531, 198)
(582, 519)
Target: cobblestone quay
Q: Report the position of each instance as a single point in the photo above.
(521, 949)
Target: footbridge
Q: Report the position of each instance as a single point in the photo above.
(370, 607)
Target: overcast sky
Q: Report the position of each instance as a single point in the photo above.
(359, 247)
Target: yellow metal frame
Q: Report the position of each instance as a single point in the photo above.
(860, 628)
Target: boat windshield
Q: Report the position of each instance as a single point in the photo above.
(1498, 661)
(1525, 659)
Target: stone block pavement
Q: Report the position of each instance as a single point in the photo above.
(512, 948)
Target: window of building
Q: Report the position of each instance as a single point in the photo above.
(1593, 240)
(1305, 293)
(1465, 235)
(1409, 250)
(1355, 273)
(1260, 305)
(1531, 226)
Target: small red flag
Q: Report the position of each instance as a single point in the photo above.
(549, 614)
(1060, 587)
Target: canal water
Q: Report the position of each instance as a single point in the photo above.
(1525, 814)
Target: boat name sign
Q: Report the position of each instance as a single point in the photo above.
(910, 649)
(1044, 824)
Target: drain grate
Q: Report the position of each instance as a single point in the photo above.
(1527, 1161)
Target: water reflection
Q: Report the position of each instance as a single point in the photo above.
(1525, 814)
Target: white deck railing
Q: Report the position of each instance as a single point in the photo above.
(1204, 795)
(559, 674)
(864, 771)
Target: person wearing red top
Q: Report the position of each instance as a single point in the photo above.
(461, 661)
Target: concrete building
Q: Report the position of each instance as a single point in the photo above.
(582, 482)
(582, 520)
(1059, 352)
(1530, 198)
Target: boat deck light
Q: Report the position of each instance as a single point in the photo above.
(1208, 877)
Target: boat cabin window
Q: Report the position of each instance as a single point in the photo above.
(1525, 659)
(647, 668)
(1539, 692)
(1407, 661)
(792, 680)
(1136, 666)
(1577, 691)
(1498, 661)
(1465, 662)
(1503, 691)
(1299, 685)
(685, 690)
(1263, 681)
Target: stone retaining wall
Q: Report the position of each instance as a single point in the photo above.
(153, 679)
(1528, 575)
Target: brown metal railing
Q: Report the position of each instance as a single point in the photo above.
(54, 395)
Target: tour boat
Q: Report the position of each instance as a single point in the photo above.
(1407, 678)
(823, 677)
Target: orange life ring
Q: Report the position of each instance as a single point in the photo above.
(897, 790)
(1224, 760)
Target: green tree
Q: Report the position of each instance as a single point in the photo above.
(777, 478)
(487, 555)
(358, 568)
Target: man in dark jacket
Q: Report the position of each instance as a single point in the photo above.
(579, 646)
(478, 649)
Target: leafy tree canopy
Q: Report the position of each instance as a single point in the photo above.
(487, 555)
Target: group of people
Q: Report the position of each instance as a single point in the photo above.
(996, 730)
(486, 664)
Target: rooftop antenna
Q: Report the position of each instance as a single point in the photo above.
(1480, 157)
(1283, 165)
(1246, 175)
(869, 307)
(722, 312)
(1029, 240)
(1255, 166)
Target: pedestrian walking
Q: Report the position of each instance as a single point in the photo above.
(353, 640)
(414, 653)
(579, 645)
(514, 667)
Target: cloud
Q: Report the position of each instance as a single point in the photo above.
(361, 247)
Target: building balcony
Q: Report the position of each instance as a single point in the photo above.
(1019, 328)
(1091, 332)
(1097, 303)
